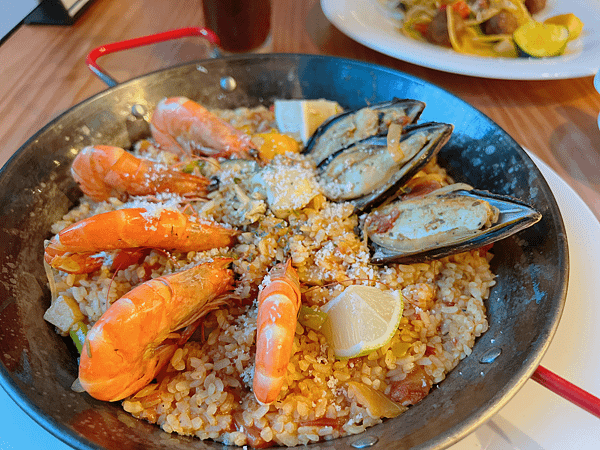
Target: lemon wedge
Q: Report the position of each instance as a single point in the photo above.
(300, 118)
(361, 319)
(570, 21)
(539, 40)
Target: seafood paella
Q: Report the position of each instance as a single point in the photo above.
(228, 280)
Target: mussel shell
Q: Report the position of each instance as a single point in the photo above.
(384, 182)
(325, 140)
(514, 216)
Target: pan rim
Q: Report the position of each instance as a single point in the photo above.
(441, 441)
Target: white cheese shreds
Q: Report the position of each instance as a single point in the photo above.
(286, 188)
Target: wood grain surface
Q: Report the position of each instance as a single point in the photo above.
(43, 73)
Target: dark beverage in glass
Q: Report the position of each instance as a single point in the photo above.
(242, 25)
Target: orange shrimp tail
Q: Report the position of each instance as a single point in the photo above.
(133, 340)
(104, 171)
(278, 305)
(181, 125)
(130, 228)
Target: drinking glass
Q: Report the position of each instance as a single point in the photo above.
(241, 25)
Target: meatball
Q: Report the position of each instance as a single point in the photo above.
(535, 6)
(502, 23)
(437, 31)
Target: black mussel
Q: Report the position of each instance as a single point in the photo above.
(449, 220)
(372, 170)
(351, 126)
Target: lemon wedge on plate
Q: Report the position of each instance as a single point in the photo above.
(300, 118)
(361, 319)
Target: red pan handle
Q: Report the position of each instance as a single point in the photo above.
(567, 390)
(96, 53)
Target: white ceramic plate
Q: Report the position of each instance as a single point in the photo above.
(366, 22)
(535, 419)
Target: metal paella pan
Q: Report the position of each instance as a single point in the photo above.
(36, 189)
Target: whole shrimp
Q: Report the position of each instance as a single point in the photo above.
(140, 332)
(104, 171)
(179, 125)
(278, 305)
(76, 248)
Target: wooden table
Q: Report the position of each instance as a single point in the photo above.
(42, 73)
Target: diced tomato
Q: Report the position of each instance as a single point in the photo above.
(336, 424)
(382, 222)
(460, 7)
(429, 350)
(413, 388)
(421, 27)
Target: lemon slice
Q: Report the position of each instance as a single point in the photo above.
(570, 21)
(361, 319)
(301, 118)
(540, 40)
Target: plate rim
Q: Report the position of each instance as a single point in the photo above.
(344, 16)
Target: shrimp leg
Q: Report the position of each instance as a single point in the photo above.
(278, 305)
(133, 340)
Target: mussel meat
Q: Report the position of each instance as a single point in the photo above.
(351, 126)
(372, 170)
(449, 220)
